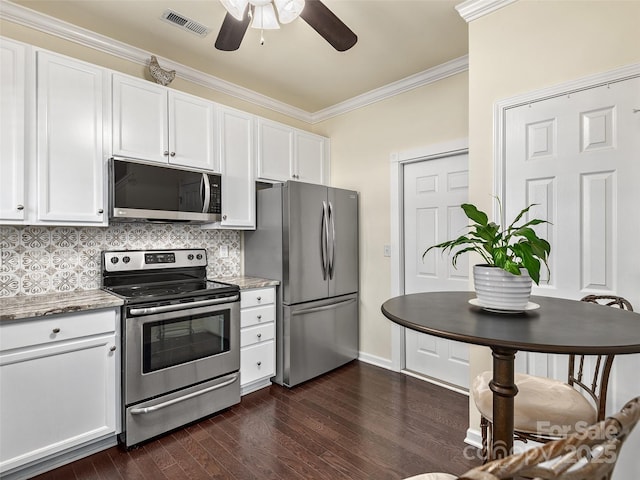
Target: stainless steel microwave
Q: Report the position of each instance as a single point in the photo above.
(154, 193)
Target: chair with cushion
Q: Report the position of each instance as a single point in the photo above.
(546, 409)
(590, 453)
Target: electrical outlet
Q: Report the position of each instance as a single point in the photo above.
(387, 250)
(223, 251)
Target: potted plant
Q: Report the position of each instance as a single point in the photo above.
(512, 257)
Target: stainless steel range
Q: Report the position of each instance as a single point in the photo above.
(180, 336)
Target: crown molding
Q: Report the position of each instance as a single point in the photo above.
(474, 9)
(452, 67)
(52, 26)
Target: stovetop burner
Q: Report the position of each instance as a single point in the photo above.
(159, 275)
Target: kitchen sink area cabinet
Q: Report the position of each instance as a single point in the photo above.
(154, 123)
(12, 118)
(59, 378)
(257, 338)
(285, 153)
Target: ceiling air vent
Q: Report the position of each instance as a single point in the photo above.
(185, 23)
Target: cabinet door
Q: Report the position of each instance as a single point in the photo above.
(236, 155)
(12, 120)
(191, 132)
(311, 152)
(69, 141)
(56, 397)
(140, 127)
(275, 151)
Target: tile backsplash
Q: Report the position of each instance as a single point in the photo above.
(37, 259)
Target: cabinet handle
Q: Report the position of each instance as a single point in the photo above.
(173, 154)
(259, 335)
(259, 299)
(224, 217)
(259, 363)
(56, 330)
(100, 211)
(113, 348)
(20, 207)
(166, 153)
(259, 317)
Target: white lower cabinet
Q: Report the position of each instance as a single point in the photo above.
(257, 338)
(58, 385)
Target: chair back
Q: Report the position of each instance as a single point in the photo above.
(596, 385)
(588, 454)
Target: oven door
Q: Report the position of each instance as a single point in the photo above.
(170, 347)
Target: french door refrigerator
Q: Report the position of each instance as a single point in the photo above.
(307, 238)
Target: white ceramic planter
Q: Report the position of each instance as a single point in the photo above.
(501, 290)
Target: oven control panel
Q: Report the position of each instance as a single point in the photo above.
(131, 260)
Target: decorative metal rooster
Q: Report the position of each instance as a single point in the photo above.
(159, 74)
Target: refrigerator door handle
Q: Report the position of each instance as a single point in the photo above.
(332, 254)
(324, 239)
(322, 308)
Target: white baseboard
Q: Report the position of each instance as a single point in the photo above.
(375, 360)
(473, 438)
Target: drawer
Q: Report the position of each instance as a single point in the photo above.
(257, 334)
(56, 328)
(256, 362)
(257, 296)
(257, 315)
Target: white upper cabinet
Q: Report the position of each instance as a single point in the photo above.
(153, 123)
(12, 131)
(237, 158)
(285, 153)
(70, 98)
(311, 157)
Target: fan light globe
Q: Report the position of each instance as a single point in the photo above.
(288, 10)
(264, 17)
(235, 7)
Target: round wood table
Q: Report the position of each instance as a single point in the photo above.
(558, 326)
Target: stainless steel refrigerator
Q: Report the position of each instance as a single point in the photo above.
(307, 238)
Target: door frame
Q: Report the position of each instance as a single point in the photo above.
(397, 162)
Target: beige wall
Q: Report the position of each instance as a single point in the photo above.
(530, 45)
(361, 144)
(71, 49)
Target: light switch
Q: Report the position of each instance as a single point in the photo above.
(223, 251)
(387, 250)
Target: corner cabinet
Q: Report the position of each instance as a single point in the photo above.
(154, 123)
(257, 338)
(286, 153)
(70, 99)
(58, 385)
(235, 136)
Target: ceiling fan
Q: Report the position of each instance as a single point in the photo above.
(240, 13)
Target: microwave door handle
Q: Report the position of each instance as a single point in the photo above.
(207, 192)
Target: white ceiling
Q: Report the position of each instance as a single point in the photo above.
(396, 39)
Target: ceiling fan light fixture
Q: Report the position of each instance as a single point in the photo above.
(235, 7)
(264, 17)
(288, 10)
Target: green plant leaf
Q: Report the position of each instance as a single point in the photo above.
(474, 214)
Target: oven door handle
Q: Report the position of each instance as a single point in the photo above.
(181, 306)
(168, 403)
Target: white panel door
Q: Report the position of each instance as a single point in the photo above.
(578, 156)
(12, 122)
(433, 192)
(70, 161)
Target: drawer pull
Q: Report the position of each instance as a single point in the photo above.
(259, 317)
(259, 299)
(259, 335)
(259, 363)
(113, 348)
(56, 330)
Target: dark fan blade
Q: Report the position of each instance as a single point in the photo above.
(330, 27)
(232, 32)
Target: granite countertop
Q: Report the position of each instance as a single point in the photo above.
(245, 282)
(29, 306)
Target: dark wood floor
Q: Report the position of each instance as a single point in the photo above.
(357, 422)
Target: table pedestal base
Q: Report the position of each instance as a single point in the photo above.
(504, 390)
